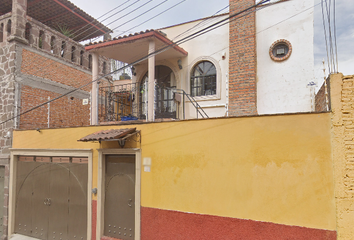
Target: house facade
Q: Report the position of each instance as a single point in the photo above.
(257, 177)
(252, 62)
(235, 176)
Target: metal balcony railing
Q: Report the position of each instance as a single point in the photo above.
(126, 101)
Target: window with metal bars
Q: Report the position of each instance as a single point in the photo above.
(203, 79)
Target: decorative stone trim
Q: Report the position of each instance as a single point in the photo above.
(277, 43)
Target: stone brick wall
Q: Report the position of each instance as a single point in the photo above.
(7, 99)
(242, 63)
(342, 97)
(7, 94)
(320, 98)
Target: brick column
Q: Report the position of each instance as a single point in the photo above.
(18, 25)
(242, 63)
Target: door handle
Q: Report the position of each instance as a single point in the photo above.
(129, 202)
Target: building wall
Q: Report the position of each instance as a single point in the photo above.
(267, 177)
(343, 138)
(211, 46)
(282, 87)
(43, 78)
(322, 98)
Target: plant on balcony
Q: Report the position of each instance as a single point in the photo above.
(65, 30)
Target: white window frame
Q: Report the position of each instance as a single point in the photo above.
(196, 61)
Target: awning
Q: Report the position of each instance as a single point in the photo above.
(120, 135)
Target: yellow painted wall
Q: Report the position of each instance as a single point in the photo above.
(271, 168)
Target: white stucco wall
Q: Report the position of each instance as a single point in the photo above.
(282, 86)
(211, 47)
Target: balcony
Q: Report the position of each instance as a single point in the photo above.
(127, 101)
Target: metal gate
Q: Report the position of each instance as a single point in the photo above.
(51, 198)
(119, 208)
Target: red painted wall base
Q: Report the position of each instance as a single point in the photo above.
(94, 219)
(171, 225)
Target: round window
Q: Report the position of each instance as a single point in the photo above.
(280, 50)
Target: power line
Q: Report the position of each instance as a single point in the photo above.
(335, 32)
(325, 35)
(112, 22)
(90, 27)
(102, 16)
(154, 16)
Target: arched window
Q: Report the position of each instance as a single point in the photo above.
(1, 32)
(63, 46)
(41, 39)
(90, 62)
(81, 57)
(52, 44)
(203, 79)
(73, 49)
(28, 31)
(8, 27)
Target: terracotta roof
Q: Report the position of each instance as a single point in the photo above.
(107, 135)
(62, 12)
(134, 37)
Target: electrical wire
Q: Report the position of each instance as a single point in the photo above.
(328, 10)
(96, 38)
(90, 27)
(335, 32)
(126, 15)
(140, 14)
(100, 17)
(325, 35)
(198, 24)
(153, 17)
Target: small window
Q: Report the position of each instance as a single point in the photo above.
(280, 50)
(28, 31)
(90, 62)
(203, 79)
(73, 49)
(1, 32)
(9, 27)
(63, 46)
(41, 39)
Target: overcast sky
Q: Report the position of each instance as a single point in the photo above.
(188, 10)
